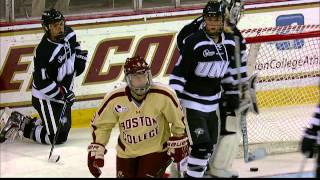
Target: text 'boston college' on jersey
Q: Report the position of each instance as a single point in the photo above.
(203, 67)
(144, 129)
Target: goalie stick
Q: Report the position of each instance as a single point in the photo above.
(246, 104)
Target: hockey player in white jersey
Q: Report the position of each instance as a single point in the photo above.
(57, 61)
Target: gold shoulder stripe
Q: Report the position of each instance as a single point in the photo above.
(164, 93)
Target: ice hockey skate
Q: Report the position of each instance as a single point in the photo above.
(12, 124)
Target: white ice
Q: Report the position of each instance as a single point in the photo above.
(28, 159)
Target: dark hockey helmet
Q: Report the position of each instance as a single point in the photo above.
(214, 8)
(137, 65)
(51, 16)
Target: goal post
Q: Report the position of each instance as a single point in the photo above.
(287, 61)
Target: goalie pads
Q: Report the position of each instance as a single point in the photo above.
(220, 165)
(232, 124)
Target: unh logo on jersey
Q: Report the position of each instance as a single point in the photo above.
(213, 69)
(118, 108)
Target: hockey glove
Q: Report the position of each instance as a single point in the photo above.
(178, 148)
(308, 143)
(81, 59)
(68, 96)
(81, 54)
(96, 154)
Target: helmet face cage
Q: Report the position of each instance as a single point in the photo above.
(51, 16)
(142, 89)
(137, 65)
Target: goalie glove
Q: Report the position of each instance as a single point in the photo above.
(96, 154)
(178, 148)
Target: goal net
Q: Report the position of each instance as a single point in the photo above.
(287, 61)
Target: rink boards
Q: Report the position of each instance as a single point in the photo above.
(109, 42)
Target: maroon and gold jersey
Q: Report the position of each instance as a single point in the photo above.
(143, 129)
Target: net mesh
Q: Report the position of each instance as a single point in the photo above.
(287, 61)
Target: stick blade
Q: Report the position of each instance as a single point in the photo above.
(257, 154)
(54, 158)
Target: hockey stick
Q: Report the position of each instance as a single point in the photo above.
(56, 158)
(302, 165)
(182, 166)
(245, 105)
(179, 170)
(161, 171)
